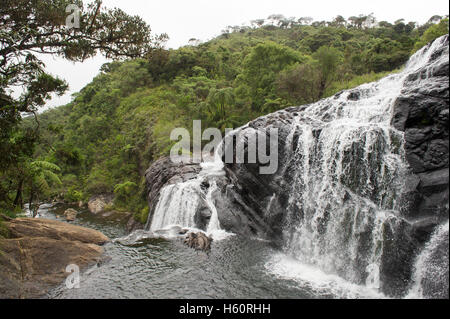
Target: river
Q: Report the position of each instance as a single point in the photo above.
(235, 267)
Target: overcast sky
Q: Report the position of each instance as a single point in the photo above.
(204, 19)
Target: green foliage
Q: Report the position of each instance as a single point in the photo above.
(72, 195)
(116, 126)
(432, 33)
(142, 216)
(28, 27)
(261, 67)
(124, 191)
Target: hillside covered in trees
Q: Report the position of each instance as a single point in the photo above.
(105, 139)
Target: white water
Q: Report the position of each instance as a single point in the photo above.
(313, 278)
(426, 267)
(178, 203)
(349, 177)
(349, 171)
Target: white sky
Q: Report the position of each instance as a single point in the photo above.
(204, 19)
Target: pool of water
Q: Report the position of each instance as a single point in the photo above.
(235, 267)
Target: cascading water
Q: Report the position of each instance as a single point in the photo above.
(344, 172)
(431, 267)
(349, 167)
(178, 203)
(349, 172)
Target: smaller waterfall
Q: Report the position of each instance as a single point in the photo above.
(430, 279)
(179, 203)
(171, 211)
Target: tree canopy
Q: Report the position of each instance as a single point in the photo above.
(32, 27)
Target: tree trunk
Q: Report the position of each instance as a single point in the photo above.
(18, 198)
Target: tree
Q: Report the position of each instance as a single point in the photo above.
(358, 21)
(328, 59)
(300, 83)
(432, 33)
(258, 22)
(219, 100)
(339, 21)
(41, 175)
(276, 18)
(305, 20)
(28, 27)
(261, 67)
(435, 19)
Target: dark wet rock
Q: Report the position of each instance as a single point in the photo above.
(399, 251)
(423, 228)
(354, 96)
(198, 241)
(422, 113)
(133, 224)
(202, 216)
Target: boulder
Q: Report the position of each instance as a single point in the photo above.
(38, 227)
(198, 241)
(97, 204)
(133, 224)
(70, 214)
(34, 258)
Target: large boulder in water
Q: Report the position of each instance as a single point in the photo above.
(198, 241)
(70, 214)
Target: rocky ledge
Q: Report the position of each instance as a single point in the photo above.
(34, 257)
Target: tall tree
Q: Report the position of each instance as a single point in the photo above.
(29, 27)
(329, 59)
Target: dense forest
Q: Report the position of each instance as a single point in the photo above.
(105, 139)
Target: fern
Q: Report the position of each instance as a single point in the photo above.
(43, 175)
(45, 166)
(52, 177)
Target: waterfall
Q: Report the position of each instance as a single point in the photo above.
(342, 175)
(346, 175)
(430, 279)
(179, 203)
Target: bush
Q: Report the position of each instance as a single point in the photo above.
(142, 216)
(73, 195)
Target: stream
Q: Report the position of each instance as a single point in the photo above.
(165, 268)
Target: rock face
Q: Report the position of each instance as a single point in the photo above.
(422, 112)
(133, 224)
(34, 257)
(97, 204)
